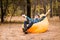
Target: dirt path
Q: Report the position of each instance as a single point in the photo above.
(14, 32)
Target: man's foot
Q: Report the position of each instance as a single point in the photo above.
(24, 30)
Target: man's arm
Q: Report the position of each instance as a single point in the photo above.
(44, 15)
(47, 12)
(27, 17)
(42, 18)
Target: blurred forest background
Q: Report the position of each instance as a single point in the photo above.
(11, 10)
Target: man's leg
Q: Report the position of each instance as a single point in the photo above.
(30, 24)
(25, 27)
(25, 24)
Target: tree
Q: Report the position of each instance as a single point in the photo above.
(28, 8)
(59, 8)
(2, 13)
(51, 8)
(3, 9)
(35, 3)
(44, 6)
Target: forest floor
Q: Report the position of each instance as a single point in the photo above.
(13, 31)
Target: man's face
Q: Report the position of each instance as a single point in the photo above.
(36, 16)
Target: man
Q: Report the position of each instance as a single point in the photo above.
(31, 21)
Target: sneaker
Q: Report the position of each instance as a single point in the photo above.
(24, 30)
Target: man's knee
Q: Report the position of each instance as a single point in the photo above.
(25, 22)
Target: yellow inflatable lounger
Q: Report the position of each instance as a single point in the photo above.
(39, 27)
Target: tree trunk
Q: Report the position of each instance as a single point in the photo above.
(28, 8)
(34, 10)
(44, 6)
(59, 8)
(3, 10)
(2, 13)
(59, 11)
(51, 8)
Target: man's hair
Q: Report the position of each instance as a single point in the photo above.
(37, 15)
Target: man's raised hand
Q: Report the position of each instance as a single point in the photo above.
(47, 12)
